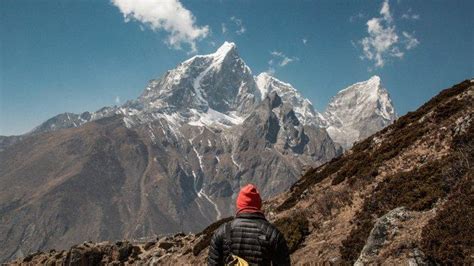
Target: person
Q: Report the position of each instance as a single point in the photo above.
(249, 237)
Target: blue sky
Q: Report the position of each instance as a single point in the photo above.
(63, 55)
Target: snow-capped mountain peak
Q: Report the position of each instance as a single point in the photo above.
(361, 97)
(358, 111)
(368, 87)
(219, 90)
(220, 81)
(226, 48)
(302, 107)
(263, 82)
(268, 83)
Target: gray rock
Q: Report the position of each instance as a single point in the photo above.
(384, 227)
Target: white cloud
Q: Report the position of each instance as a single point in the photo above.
(223, 28)
(117, 100)
(409, 15)
(356, 17)
(276, 53)
(279, 59)
(410, 41)
(304, 41)
(382, 43)
(168, 15)
(385, 11)
(270, 70)
(286, 61)
(235, 25)
(240, 26)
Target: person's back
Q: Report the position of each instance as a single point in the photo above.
(249, 236)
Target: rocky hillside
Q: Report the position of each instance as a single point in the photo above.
(404, 195)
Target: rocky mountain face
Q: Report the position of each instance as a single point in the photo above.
(171, 160)
(303, 108)
(358, 111)
(219, 90)
(7, 141)
(402, 196)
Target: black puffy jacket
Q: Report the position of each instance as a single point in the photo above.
(253, 238)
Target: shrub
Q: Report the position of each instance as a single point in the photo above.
(294, 229)
(449, 237)
(330, 200)
(311, 178)
(417, 190)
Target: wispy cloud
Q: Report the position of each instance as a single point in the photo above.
(356, 17)
(223, 28)
(240, 26)
(168, 15)
(117, 100)
(385, 11)
(279, 59)
(410, 41)
(304, 40)
(271, 69)
(383, 41)
(409, 15)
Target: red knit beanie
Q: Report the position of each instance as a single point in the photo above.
(249, 200)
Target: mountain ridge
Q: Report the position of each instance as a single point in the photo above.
(401, 196)
(171, 160)
(181, 83)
